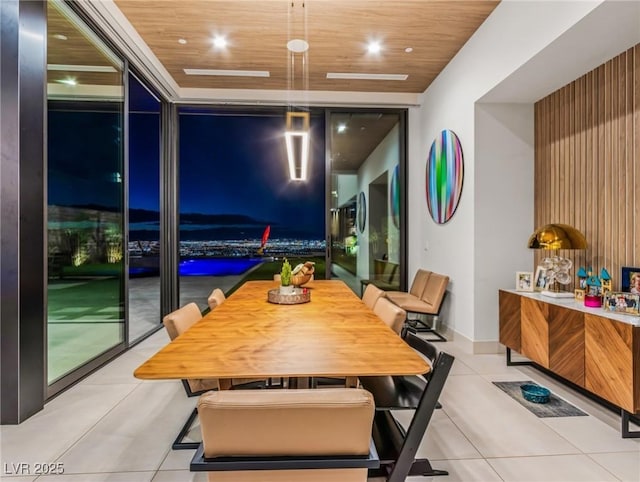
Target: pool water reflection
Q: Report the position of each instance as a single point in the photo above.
(217, 266)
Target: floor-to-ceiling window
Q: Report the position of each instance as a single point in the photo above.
(366, 155)
(85, 229)
(240, 213)
(144, 209)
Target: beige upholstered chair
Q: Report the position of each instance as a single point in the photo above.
(391, 314)
(176, 323)
(216, 298)
(371, 295)
(273, 430)
(425, 297)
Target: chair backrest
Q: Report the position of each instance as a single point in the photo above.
(371, 295)
(391, 314)
(282, 424)
(176, 323)
(428, 350)
(179, 321)
(419, 282)
(435, 289)
(216, 298)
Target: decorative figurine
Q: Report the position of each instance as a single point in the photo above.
(593, 294)
(582, 275)
(605, 279)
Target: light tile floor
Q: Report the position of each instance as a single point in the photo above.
(113, 427)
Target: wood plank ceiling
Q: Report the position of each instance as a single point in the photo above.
(337, 31)
(257, 33)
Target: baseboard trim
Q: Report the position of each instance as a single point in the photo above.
(483, 347)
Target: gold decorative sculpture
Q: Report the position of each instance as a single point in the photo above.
(302, 273)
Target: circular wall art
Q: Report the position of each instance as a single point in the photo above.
(362, 211)
(445, 172)
(394, 197)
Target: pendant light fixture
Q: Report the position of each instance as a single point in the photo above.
(297, 130)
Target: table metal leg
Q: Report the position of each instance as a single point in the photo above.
(515, 363)
(626, 433)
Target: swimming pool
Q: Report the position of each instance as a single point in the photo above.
(217, 266)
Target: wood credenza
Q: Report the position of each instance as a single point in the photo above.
(596, 350)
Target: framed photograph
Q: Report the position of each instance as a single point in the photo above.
(630, 280)
(619, 302)
(540, 280)
(579, 294)
(524, 281)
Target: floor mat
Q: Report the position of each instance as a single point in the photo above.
(556, 407)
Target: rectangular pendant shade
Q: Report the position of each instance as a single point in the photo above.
(297, 141)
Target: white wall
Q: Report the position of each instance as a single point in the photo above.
(513, 34)
(383, 158)
(504, 158)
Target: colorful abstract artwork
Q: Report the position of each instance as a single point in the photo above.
(445, 173)
(394, 197)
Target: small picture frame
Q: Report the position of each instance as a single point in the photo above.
(540, 279)
(579, 294)
(630, 280)
(620, 302)
(524, 281)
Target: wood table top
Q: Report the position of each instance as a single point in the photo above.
(335, 334)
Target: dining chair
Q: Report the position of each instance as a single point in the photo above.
(425, 297)
(371, 295)
(286, 436)
(176, 323)
(408, 392)
(393, 316)
(216, 298)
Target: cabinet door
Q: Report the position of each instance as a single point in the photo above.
(535, 330)
(509, 315)
(609, 360)
(566, 343)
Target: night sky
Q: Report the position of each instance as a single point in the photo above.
(237, 165)
(229, 164)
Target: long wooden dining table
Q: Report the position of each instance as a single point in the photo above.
(333, 335)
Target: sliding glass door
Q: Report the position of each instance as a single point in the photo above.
(85, 230)
(144, 210)
(240, 212)
(366, 166)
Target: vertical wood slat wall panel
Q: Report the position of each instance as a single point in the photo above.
(587, 172)
(636, 154)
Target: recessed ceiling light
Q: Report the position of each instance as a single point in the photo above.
(182, 41)
(297, 45)
(342, 128)
(374, 47)
(360, 76)
(219, 42)
(228, 73)
(59, 36)
(408, 50)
